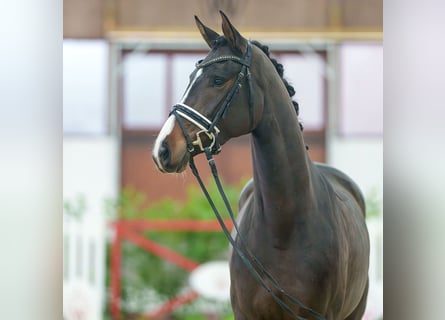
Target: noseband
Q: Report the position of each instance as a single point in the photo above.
(208, 128)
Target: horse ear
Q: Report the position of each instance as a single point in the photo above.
(236, 40)
(208, 34)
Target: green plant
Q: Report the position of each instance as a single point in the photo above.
(142, 271)
(373, 204)
(76, 207)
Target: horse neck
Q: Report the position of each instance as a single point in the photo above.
(281, 165)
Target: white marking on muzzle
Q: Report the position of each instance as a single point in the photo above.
(167, 128)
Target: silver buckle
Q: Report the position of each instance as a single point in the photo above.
(210, 135)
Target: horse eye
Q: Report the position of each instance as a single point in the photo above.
(218, 81)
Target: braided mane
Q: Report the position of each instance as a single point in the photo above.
(280, 69)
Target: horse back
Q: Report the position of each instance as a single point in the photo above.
(336, 177)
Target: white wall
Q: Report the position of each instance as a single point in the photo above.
(355, 121)
(85, 83)
(361, 158)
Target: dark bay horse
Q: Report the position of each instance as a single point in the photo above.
(304, 222)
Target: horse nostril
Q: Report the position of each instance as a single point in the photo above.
(164, 153)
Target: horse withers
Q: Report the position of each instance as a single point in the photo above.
(302, 251)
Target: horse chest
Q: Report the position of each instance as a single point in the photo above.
(250, 300)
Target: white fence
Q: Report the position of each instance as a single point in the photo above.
(84, 268)
(89, 178)
(374, 309)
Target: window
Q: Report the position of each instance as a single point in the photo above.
(306, 73)
(361, 89)
(154, 81)
(183, 65)
(85, 83)
(144, 90)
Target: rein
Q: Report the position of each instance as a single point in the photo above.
(208, 128)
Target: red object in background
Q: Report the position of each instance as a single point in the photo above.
(130, 230)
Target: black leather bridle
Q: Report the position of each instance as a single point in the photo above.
(182, 111)
(208, 128)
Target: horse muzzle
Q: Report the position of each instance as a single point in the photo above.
(170, 149)
(166, 162)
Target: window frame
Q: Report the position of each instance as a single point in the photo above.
(200, 49)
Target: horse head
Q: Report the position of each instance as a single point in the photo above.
(218, 103)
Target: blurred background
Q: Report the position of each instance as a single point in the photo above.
(130, 234)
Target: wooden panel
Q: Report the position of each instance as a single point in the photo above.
(365, 13)
(86, 18)
(250, 14)
(316, 143)
(139, 171)
(83, 18)
(234, 165)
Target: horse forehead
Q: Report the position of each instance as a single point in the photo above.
(221, 50)
(218, 52)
